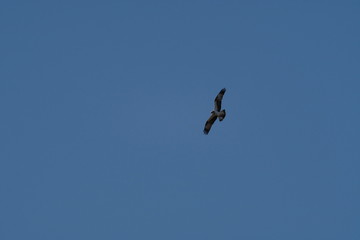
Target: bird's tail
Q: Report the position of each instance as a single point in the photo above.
(222, 115)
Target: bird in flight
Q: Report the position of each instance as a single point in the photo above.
(216, 113)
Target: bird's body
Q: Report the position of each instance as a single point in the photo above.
(220, 115)
(216, 113)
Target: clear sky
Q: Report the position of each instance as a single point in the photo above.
(103, 104)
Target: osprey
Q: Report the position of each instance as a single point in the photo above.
(217, 113)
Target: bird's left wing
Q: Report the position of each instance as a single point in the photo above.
(209, 123)
(218, 99)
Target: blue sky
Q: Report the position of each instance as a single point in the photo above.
(103, 104)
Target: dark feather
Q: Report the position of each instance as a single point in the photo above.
(218, 99)
(209, 123)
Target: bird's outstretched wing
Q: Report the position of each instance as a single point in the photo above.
(218, 99)
(209, 123)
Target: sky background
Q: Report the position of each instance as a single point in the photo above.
(103, 104)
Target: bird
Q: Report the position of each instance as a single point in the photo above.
(216, 113)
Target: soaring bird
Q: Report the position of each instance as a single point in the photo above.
(216, 113)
